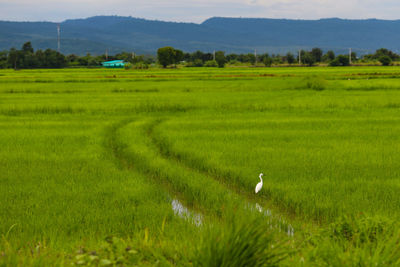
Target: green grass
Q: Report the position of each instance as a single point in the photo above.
(91, 160)
(316, 165)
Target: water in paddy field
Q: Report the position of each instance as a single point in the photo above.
(274, 223)
(183, 212)
(197, 219)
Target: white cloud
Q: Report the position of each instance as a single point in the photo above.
(198, 10)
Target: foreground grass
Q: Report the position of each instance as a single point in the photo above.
(92, 159)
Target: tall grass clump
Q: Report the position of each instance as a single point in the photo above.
(317, 83)
(357, 241)
(241, 243)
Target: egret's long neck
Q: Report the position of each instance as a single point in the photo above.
(261, 178)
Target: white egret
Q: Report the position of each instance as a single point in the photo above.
(260, 184)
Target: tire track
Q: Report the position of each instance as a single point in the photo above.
(125, 158)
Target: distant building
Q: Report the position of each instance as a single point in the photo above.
(114, 64)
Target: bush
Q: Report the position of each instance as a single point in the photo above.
(195, 63)
(234, 62)
(141, 66)
(314, 83)
(211, 63)
(128, 66)
(198, 63)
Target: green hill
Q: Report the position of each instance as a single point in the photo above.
(241, 35)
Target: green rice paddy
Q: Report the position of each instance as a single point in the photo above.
(93, 164)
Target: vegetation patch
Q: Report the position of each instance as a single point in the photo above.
(90, 171)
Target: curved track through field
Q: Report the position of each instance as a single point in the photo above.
(134, 145)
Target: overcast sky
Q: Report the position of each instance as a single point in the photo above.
(197, 10)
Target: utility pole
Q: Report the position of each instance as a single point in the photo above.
(255, 55)
(299, 57)
(58, 37)
(214, 55)
(350, 56)
(106, 54)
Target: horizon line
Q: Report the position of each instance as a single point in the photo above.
(189, 22)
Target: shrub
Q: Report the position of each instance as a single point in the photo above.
(141, 66)
(234, 62)
(195, 63)
(314, 83)
(198, 63)
(211, 63)
(128, 66)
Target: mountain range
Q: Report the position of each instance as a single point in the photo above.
(97, 34)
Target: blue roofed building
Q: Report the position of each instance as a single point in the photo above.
(114, 64)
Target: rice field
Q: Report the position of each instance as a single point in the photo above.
(158, 167)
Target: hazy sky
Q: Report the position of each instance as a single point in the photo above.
(197, 10)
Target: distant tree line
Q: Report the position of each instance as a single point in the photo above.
(170, 56)
(27, 58)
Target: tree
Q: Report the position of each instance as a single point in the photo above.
(302, 54)
(178, 56)
(207, 57)
(385, 60)
(220, 58)
(27, 47)
(267, 60)
(353, 56)
(290, 58)
(385, 52)
(13, 57)
(197, 55)
(232, 57)
(340, 60)
(29, 61)
(52, 59)
(166, 56)
(308, 59)
(251, 58)
(317, 54)
(187, 57)
(3, 59)
(329, 56)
